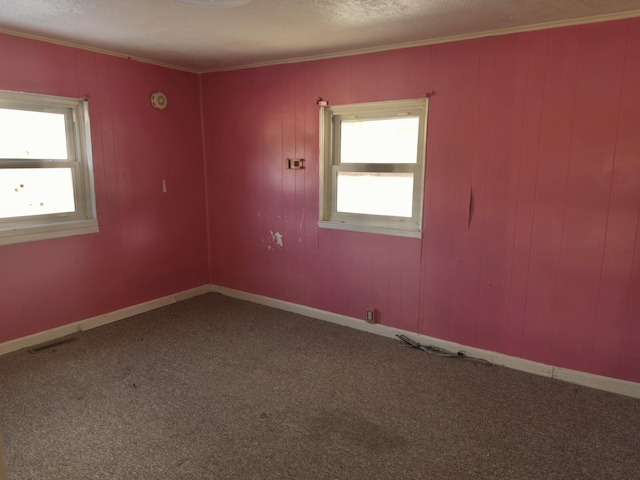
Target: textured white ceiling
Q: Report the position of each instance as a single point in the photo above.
(269, 31)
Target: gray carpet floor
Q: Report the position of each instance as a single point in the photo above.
(217, 388)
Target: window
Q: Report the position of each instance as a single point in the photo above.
(372, 167)
(46, 181)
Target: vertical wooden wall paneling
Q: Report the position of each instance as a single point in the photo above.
(290, 200)
(423, 65)
(247, 191)
(33, 72)
(629, 354)
(460, 325)
(381, 298)
(319, 81)
(224, 267)
(364, 80)
(325, 91)
(272, 259)
(618, 313)
(526, 194)
(360, 273)
(130, 208)
(325, 275)
(146, 269)
(440, 189)
(364, 88)
(313, 88)
(147, 183)
(339, 81)
(411, 286)
(185, 198)
(12, 296)
(219, 243)
(93, 78)
(102, 125)
(563, 50)
(93, 73)
(247, 243)
(503, 183)
(479, 180)
(309, 262)
(54, 301)
(339, 272)
(297, 240)
(394, 312)
(511, 118)
(136, 256)
(388, 70)
(181, 209)
(334, 245)
(119, 168)
(601, 61)
(291, 124)
(249, 195)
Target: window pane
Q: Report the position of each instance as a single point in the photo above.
(35, 191)
(392, 140)
(389, 194)
(26, 134)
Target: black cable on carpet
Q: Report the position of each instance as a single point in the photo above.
(440, 352)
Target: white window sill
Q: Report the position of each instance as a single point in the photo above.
(370, 229)
(9, 236)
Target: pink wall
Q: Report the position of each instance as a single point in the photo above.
(150, 244)
(543, 126)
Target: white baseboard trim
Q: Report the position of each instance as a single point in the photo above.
(608, 384)
(613, 385)
(89, 323)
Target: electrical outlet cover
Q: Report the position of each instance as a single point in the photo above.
(371, 318)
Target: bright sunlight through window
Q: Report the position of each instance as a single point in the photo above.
(25, 134)
(373, 158)
(46, 183)
(35, 191)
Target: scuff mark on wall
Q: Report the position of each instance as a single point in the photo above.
(273, 240)
(277, 238)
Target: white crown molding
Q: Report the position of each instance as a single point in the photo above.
(111, 53)
(346, 53)
(213, 3)
(435, 41)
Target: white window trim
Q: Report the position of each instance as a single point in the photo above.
(329, 217)
(83, 220)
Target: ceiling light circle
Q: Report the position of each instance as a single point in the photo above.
(214, 3)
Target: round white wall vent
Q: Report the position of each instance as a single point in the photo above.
(159, 100)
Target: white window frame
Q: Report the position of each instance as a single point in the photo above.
(330, 165)
(83, 220)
